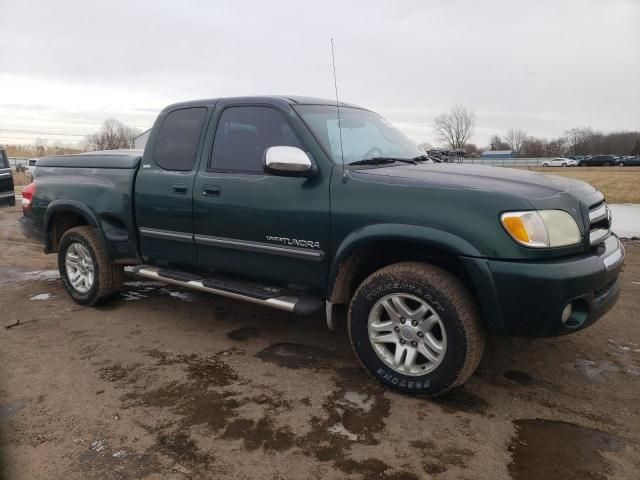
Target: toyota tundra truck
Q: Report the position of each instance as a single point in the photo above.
(305, 205)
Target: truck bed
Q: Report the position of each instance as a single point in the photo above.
(97, 185)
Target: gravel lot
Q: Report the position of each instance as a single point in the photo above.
(173, 384)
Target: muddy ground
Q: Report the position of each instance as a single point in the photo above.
(173, 384)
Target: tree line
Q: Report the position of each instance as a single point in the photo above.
(112, 135)
(454, 130)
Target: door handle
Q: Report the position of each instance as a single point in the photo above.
(211, 190)
(179, 188)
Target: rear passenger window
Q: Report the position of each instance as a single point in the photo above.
(178, 138)
(244, 133)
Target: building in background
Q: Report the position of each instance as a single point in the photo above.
(141, 140)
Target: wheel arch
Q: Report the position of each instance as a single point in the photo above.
(377, 246)
(62, 215)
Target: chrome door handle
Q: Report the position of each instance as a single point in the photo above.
(179, 188)
(211, 191)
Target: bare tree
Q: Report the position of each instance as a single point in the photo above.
(516, 139)
(455, 127)
(113, 135)
(426, 146)
(496, 143)
(534, 147)
(579, 140)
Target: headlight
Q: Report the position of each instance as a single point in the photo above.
(541, 228)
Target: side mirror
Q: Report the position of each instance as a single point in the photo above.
(288, 162)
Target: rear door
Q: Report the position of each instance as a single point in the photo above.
(7, 195)
(164, 189)
(254, 224)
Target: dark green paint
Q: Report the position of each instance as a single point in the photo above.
(454, 208)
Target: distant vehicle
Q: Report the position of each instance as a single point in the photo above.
(599, 160)
(7, 195)
(629, 161)
(560, 162)
(31, 166)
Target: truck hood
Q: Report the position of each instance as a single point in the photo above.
(538, 188)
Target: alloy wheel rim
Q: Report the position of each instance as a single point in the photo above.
(79, 267)
(407, 334)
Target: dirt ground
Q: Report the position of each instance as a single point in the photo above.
(619, 184)
(164, 383)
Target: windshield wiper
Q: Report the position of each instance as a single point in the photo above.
(423, 158)
(383, 160)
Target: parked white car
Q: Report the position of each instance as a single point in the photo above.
(560, 162)
(31, 166)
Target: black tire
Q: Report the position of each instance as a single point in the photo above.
(108, 277)
(621, 164)
(607, 164)
(456, 308)
(564, 164)
(582, 164)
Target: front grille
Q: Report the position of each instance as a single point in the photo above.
(599, 222)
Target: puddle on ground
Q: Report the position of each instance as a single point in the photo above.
(101, 461)
(243, 334)
(140, 289)
(595, 371)
(521, 378)
(295, 355)
(459, 399)
(8, 410)
(9, 275)
(554, 449)
(261, 434)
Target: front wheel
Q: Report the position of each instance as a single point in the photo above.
(86, 272)
(416, 328)
(621, 164)
(545, 164)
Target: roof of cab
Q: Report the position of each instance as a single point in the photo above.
(275, 99)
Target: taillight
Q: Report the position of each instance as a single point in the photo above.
(28, 193)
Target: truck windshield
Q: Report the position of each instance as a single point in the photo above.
(365, 135)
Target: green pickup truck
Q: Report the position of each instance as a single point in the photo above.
(304, 205)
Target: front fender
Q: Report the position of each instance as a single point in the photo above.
(431, 237)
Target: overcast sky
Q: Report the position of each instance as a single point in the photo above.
(543, 66)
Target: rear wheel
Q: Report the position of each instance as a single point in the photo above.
(416, 328)
(621, 164)
(607, 164)
(545, 164)
(87, 274)
(564, 164)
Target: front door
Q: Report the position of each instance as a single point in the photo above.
(253, 224)
(164, 190)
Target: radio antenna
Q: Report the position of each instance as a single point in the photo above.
(335, 84)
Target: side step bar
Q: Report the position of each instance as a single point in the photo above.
(250, 292)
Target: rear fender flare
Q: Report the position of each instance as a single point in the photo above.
(58, 206)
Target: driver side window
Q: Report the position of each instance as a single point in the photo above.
(243, 135)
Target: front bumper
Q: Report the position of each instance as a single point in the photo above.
(528, 298)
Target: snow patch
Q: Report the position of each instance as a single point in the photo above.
(42, 296)
(626, 219)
